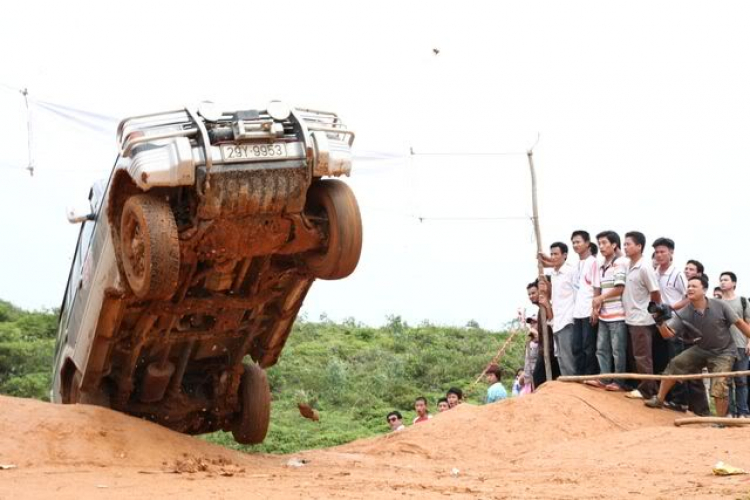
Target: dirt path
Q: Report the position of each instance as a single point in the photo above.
(566, 441)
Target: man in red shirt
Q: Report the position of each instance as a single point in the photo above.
(423, 414)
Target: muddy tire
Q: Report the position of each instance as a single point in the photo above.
(334, 202)
(150, 248)
(251, 424)
(73, 391)
(74, 395)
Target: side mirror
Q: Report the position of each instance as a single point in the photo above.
(76, 216)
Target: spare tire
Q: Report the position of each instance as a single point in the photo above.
(149, 247)
(334, 202)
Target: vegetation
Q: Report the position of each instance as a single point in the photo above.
(352, 374)
(27, 342)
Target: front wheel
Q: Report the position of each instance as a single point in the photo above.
(333, 202)
(251, 425)
(149, 247)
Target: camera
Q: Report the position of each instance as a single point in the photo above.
(660, 312)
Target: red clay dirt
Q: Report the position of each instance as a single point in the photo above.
(567, 441)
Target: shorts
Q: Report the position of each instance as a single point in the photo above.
(694, 359)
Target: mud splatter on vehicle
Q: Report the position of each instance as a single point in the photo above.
(195, 260)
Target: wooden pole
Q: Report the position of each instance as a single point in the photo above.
(542, 319)
(711, 420)
(644, 376)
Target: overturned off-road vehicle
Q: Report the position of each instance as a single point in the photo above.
(194, 261)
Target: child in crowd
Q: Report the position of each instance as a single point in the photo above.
(443, 405)
(496, 391)
(520, 385)
(455, 397)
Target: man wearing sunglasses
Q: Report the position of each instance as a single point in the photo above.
(396, 421)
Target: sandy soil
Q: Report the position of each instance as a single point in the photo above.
(564, 442)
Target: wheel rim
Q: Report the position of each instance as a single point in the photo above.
(134, 247)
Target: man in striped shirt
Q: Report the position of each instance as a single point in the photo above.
(607, 309)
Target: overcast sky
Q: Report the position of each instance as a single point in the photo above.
(642, 107)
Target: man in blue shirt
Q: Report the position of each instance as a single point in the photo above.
(496, 391)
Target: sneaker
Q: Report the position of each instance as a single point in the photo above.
(613, 387)
(634, 394)
(594, 383)
(671, 405)
(654, 402)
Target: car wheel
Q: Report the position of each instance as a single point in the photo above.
(150, 248)
(74, 388)
(251, 425)
(333, 202)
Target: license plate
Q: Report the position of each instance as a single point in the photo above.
(244, 152)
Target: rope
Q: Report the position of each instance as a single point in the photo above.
(513, 332)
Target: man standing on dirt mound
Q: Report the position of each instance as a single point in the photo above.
(563, 304)
(641, 286)
(584, 326)
(705, 324)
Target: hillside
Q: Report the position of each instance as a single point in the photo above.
(352, 374)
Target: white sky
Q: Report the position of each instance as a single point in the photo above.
(643, 111)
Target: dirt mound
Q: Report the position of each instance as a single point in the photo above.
(566, 441)
(557, 412)
(34, 433)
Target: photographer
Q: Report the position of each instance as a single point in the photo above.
(703, 324)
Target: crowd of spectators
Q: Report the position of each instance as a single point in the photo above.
(621, 312)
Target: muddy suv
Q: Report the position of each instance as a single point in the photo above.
(194, 260)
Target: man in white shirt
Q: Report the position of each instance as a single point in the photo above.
(673, 287)
(563, 303)
(584, 330)
(641, 286)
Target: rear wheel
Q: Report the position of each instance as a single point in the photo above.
(150, 248)
(251, 425)
(99, 397)
(334, 202)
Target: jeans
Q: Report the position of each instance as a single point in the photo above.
(612, 345)
(585, 346)
(566, 355)
(738, 394)
(641, 338)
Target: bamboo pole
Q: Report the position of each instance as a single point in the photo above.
(542, 317)
(711, 420)
(499, 355)
(648, 376)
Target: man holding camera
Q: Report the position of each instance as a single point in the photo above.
(704, 324)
